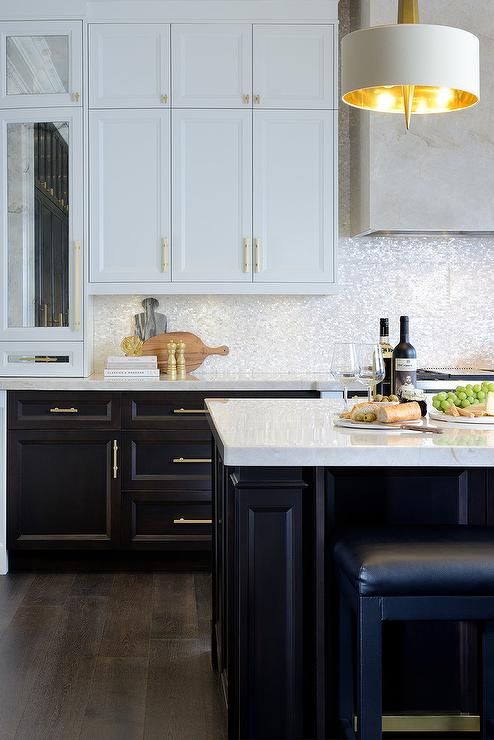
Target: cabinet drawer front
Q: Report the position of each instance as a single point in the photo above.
(162, 410)
(165, 411)
(147, 519)
(43, 409)
(163, 460)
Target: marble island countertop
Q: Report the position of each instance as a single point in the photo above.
(267, 432)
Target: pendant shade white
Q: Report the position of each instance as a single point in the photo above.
(412, 68)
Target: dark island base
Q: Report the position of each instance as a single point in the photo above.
(275, 603)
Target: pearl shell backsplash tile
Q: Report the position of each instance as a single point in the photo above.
(445, 284)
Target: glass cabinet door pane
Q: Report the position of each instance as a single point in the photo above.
(38, 223)
(37, 65)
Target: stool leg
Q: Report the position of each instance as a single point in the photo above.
(488, 682)
(345, 663)
(370, 669)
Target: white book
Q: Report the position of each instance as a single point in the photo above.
(138, 361)
(132, 373)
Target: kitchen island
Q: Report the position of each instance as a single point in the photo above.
(285, 482)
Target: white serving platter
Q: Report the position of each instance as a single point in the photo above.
(374, 425)
(446, 419)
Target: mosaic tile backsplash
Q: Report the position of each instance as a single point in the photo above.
(445, 284)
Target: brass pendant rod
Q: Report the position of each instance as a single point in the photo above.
(408, 11)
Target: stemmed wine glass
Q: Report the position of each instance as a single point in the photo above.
(371, 369)
(344, 366)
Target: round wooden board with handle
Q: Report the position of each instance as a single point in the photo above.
(195, 349)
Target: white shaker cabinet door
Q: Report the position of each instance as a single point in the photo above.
(212, 65)
(129, 65)
(293, 66)
(294, 206)
(129, 205)
(212, 195)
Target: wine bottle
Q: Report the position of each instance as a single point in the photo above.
(384, 388)
(404, 360)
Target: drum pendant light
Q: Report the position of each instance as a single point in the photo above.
(410, 67)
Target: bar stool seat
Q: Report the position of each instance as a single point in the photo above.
(427, 561)
(405, 574)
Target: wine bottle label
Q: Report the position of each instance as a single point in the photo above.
(405, 374)
(405, 365)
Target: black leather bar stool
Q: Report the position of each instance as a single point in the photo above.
(406, 574)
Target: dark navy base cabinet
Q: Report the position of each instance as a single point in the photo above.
(275, 600)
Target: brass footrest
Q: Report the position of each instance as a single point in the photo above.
(428, 723)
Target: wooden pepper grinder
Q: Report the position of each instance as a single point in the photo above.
(171, 370)
(181, 372)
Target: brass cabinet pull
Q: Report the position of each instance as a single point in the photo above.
(190, 411)
(246, 99)
(75, 97)
(164, 99)
(257, 244)
(56, 410)
(35, 359)
(246, 255)
(115, 458)
(77, 306)
(192, 521)
(165, 255)
(257, 99)
(192, 460)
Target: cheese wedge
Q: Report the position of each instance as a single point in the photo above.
(489, 409)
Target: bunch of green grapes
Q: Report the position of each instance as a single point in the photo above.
(463, 396)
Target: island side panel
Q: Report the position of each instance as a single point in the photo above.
(264, 579)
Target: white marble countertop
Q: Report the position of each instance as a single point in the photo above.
(193, 382)
(288, 432)
(321, 382)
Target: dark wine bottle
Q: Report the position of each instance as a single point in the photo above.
(404, 360)
(384, 388)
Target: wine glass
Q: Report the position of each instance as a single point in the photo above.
(344, 366)
(371, 369)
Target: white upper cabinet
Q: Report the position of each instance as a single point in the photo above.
(293, 66)
(212, 195)
(212, 65)
(129, 65)
(294, 215)
(40, 64)
(129, 206)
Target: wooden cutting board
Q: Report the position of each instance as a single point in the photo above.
(195, 349)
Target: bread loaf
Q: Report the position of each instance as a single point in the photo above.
(399, 412)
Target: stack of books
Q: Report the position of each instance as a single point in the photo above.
(132, 367)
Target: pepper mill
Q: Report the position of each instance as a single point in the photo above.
(171, 370)
(181, 371)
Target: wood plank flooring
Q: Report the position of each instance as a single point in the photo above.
(107, 657)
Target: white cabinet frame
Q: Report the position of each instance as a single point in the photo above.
(74, 331)
(73, 31)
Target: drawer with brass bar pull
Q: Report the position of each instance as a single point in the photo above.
(149, 519)
(63, 410)
(158, 460)
(183, 410)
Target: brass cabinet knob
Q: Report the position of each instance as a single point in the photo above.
(164, 99)
(246, 99)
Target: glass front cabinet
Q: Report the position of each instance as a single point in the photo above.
(41, 64)
(41, 209)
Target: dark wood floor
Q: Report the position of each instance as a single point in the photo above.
(121, 656)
